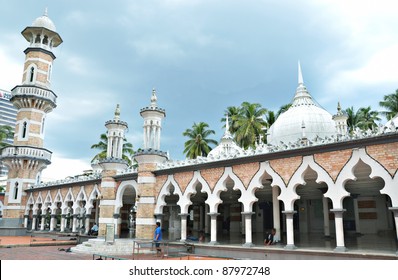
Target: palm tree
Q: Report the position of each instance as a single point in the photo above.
(367, 118)
(251, 124)
(198, 143)
(6, 132)
(390, 102)
(102, 145)
(233, 113)
(353, 118)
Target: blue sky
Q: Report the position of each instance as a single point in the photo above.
(201, 56)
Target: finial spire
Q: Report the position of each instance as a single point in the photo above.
(46, 12)
(227, 123)
(117, 113)
(300, 74)
(154, 98)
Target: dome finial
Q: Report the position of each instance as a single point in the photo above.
(45, 12)
(300, 74)
(154, 98)
(117, 113)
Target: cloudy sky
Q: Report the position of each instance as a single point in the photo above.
(201, 56)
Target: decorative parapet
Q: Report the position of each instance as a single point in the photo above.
(69, 180)
(268, 148)
(26, 152)
(34, 91)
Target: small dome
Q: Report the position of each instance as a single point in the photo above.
(303, 119)
(44, 21)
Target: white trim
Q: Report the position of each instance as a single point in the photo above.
(12, 207)
(38, 59)
(106, 220)
(31, 110)
(144, 180)
(107, 184)
(146, 221)
(107, 202)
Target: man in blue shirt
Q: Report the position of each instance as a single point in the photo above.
(157, 238)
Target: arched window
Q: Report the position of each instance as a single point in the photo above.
(37, 40)
(42, 126)
(24, 129)
(16, 190)
(32, 74)
(50, 69)
(45, 40)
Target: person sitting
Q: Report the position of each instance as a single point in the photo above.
(94, 230)
(269, 240)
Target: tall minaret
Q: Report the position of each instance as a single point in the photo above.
(33, 98)
(152, 116)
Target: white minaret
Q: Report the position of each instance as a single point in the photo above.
(153, 116)
(341, 121)
(116, 134)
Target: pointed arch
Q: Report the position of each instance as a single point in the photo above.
(289, 195)
(185, 200)
(164, 191)
(94, 195)
(249, 196)
(214, 200)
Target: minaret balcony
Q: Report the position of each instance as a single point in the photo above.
(25, 152)
(26, 96)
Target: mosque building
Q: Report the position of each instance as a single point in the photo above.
(311, 181)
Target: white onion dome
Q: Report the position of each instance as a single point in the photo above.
(304, 119)
(44, 21)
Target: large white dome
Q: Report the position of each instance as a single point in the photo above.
(303, 119)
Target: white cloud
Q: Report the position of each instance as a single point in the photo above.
(62, 167)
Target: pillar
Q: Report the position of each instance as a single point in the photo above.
(183, 226)
(276, 213)
(53, 221)
(326, 224)
(289, 229)
(117, 221)
(74, 223)
(247, 217)
(63, 222)
(338, 219)
(213, 228)
(25, 221)
(356, 213)
(87, 224)
(34, 222)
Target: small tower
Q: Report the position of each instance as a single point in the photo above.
(153, 116)
(341, 121)
(34, 99)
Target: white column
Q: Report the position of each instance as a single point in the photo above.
(247, 217)
(74, 222)
(213, 228)
(116, 222)
(338, 220)
(120, 147)
(87, 224)
(289, 229)
(25, 221)
(326, 225)
(63, 222)
(207, 220)
(183, 226)
(276, 213)
(43, 221)
(34, 222)
(53, 221)
(109, 147)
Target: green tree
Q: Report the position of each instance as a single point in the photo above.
(6, 132)
(198, 143)
(353, 118)
(390, 102)
(102, 145)
(367, 118)
(233, 113)
(251, 124)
